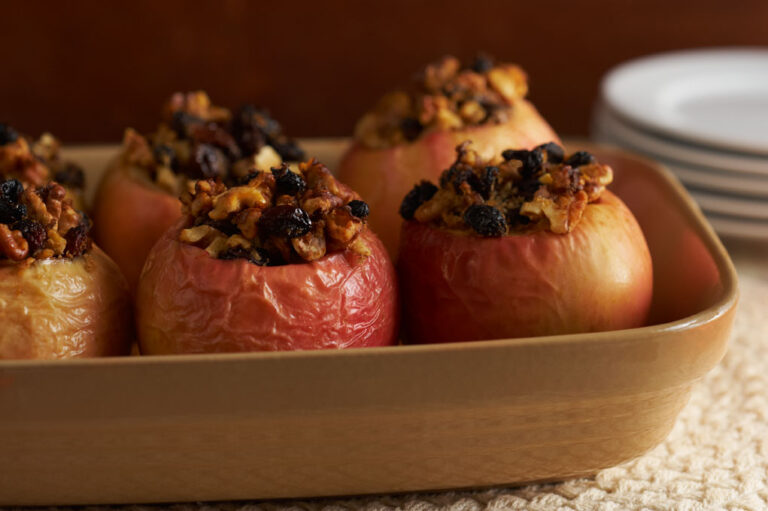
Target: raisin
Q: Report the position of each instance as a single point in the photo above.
(287, 182)
(10, 213)
(11, 190)
(580, 158)
(288, 150)
(207, 162)
(247, 178)
(528, 188)
(7, 134)
(485, 220)
(224, 226)
(34, 232)
(483, 184)
(411, 128)
(514, 218)
(214, 135)
(482, 63)
(71, 175)
(182, 123)
(359, 209)
(554, 152)
(457, 174)
(420, 194)
(285, 222)
(531, 160)
(252, 128)
(78, 241)
(258, 256)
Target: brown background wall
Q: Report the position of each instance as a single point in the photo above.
(87, 69)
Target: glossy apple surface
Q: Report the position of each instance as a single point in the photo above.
(131, 214)
(457, 287)
(384, 176)
(63, 308)
(188, 302)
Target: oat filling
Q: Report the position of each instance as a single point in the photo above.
(445, 96)
(274, 217)
(519, 191)
(198, 140)
(36, 162)
(39, 222)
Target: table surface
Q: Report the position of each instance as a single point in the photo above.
(716, 457)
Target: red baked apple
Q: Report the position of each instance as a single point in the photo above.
(525, 245)
(412, 135)
(60, 296)
(137, 199)
(283, 261)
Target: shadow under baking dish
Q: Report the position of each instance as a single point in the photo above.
(379, 420)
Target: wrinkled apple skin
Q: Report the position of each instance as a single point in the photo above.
(384, 176)
(130, 216)
(64, 308)
(459, 287)
(188, 302)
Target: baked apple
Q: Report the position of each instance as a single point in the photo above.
(526, 244)
(36, 162)
(411, 135)
(282, 261)
(60, 296)
(137, 200)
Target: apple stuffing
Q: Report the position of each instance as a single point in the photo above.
(281, 260)
(411, 134)
(138, 197)
(525, 243)
(36, 162)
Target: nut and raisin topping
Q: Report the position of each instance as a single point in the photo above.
(197, 140)
(520, 191)
(444, 97)
(40, 223)
(281, 216)
(36, 162)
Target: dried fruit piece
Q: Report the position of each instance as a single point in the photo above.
(359, 209)
(554, 152)
(420, 194)
(34, 232)
(78, 241)
(486, 220)
(288, 182)
(285, 222)
(580, 158)
(7, 134)
(10, 190)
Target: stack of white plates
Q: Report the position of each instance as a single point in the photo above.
(704, 114)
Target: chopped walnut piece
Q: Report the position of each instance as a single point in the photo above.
(444, 97)
(518, 191)
(278, 217)
(12, 244)
(311, 246)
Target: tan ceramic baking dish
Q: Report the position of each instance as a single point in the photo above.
(272, 425)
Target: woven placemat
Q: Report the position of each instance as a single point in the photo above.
(715, 458)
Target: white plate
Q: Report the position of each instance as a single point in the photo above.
(605, 120)
(697, 177)
(731, 205)
(712, 97)
(739, 228)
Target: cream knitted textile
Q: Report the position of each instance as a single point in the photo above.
(715, 458)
